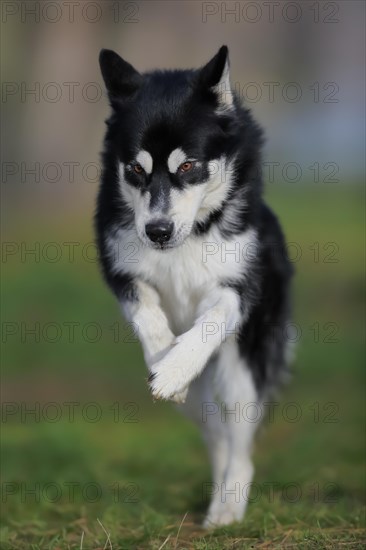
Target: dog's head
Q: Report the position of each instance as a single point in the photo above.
(173, 136)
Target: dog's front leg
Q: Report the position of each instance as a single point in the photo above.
(152, 327)
(219, 315)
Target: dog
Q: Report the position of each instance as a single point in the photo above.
(197, 261)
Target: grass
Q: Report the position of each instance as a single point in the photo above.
(137, 470)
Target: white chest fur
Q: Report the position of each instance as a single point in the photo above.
(183, 275)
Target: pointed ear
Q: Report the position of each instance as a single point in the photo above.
(215, 75)
(120, 78)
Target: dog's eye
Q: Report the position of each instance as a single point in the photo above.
(186, 166)
(138, 168)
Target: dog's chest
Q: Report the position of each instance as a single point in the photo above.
(182, 280)
(184, 275)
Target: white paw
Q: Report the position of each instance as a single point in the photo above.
(167, 377)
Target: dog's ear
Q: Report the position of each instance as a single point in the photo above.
(120, 78)
(215, 75)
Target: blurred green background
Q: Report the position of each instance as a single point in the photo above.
(120, 462)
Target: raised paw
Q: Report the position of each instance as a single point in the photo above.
(167, 380)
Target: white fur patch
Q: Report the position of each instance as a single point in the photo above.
(184, 274)
(218, 186)
(145, 159)
(175, 159)
(184, 207)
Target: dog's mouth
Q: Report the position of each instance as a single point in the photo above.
(166, 246)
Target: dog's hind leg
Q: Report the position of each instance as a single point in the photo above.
(235, 432)
(204, 409)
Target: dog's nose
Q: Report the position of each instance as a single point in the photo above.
(159, 231)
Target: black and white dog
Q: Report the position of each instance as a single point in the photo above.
(196, 259)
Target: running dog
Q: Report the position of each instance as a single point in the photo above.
(195, 258)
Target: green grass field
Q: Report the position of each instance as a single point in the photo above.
(137, 470)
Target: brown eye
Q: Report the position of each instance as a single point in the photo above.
(186, 167)
(138, 168)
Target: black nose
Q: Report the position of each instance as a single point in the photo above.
(159, 231)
